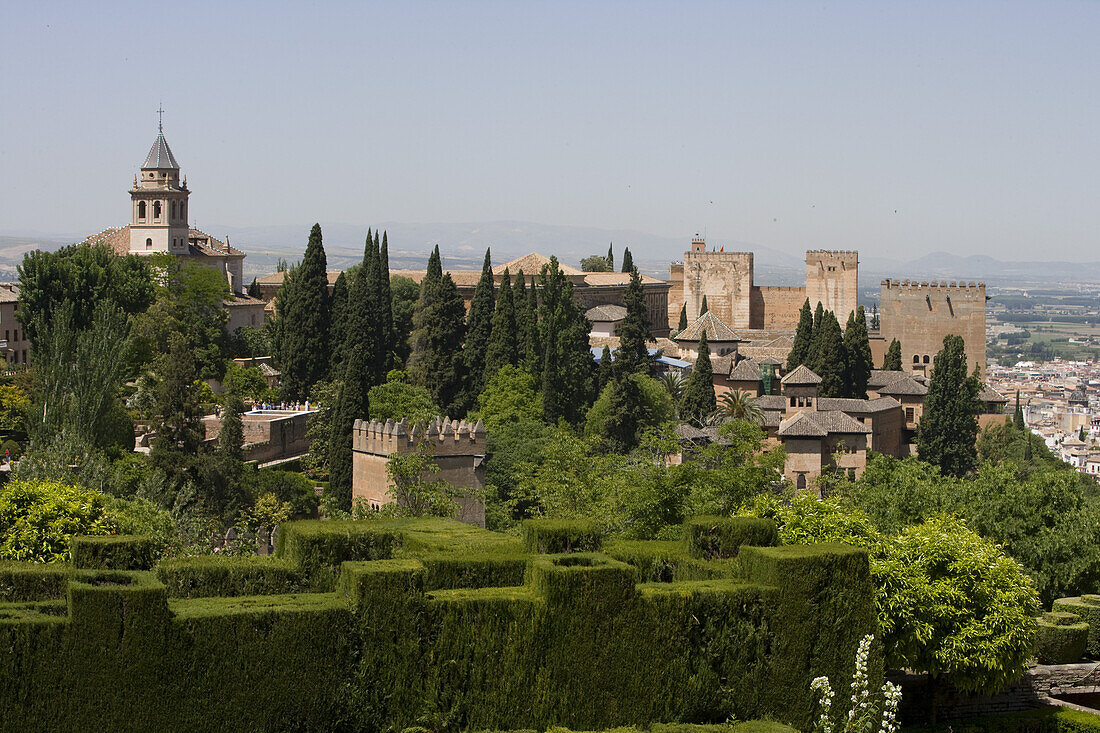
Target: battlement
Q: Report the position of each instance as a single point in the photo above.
(742, 257)
(447, 437)
(823, 256)
(952, 285)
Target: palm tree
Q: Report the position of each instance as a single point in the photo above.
(739, 405)
(674, 384)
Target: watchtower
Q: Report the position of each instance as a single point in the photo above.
(920, 314)
(832, 279)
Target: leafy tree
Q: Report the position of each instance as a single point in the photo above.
(892, 361)
(302, 312)
(830, 358)
(352, 404)
(632, 355)
(415, 494)
(803, 338)
(439, 323)
(511, 396)
(503, 348)
(628, 260)
(396, 399)
(231, 435)
(948, 429)
(625, 408)
(38, 518)
(479, 328)
(857, 348)
(404, 294)
(324, 396)
(246, 383)
(14, 406)
(338, 324)
(683, 318)
(85, 277)
(595, 263)
(699, 401)
(248, 341)
(179, 427)
(704, 309)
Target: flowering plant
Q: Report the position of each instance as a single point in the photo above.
(870, 711)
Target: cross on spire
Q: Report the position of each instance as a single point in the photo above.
(160, 116)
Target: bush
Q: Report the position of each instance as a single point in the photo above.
(1061, 638)
(114, 552)
(204, 576)
(38, 518)
(1087, 607)
(551, 536)
(714, 537)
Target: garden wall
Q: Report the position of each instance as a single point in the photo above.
(395, 623)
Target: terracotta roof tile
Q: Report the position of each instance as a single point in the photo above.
(712, 325)
(802, 374)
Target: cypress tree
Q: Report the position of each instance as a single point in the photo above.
(831, 359)
(1081, 434)
(803, 338)
(254, 288)
(231, 435)
(815, 337)
(351, 404)
(698, 401)
(1018, 415)
(439, 324)
(381, 323)
(479, 328)
(624, 410)
(519, 302)
(628, 260)
(532, 345)
(503, 346)
(892, 361)
(683, 318)
(704, 309)
(567, 367)
(385, 310)
(948, 428)
(610, 258)
(303, 312)
(339, 325)
(634, 330)
(605, 370)
(857, 347)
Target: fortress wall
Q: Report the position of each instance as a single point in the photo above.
(921, 314)
(725, 278)
(675, 293)
(832, 278)
(777, 306)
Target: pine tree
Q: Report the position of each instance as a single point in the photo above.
(683, 318)
(385, 310)
(857, 348)
(351, 404)
(610, 259)
(519, 302)
(628, 260)
(704, 309)
(1018, 415)
(479, 328)
(803, 338)
(179, 428)
(503, 346)
(439, 325)
(303, 314)
(948, 429)
(605, 370)
(892, 361)
(698, 401)
(634, 330)
(338, 325)
(831, 358)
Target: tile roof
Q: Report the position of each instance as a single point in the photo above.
(819, 423)
(712, 325)
(904, 386)
(605, 313)
(531, 264)
(771, 402)
(988, 394)
(850, 404)
(802, 374)
(801, 425)
(9, 292)
(747, 370)
(617, 278)
(200, 243)
(243, 299)
(160, 155)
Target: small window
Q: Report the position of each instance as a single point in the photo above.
(916, 359)
(908, 414)
(800, 482)
(24, 356)
(17, 334)
(148, 244)
(156, 209)
(926, 358)
(173, 209)
(793, 402)
(852, 474)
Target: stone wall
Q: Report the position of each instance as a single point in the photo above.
(921, 314)
(833, 279)
(725, 278)
(268, 434)
(776, 306)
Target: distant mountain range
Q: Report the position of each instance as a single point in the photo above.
(463, 246)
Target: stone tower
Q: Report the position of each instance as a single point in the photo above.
(158, 202)
(725, 278)
(832, 278)
(920, 314)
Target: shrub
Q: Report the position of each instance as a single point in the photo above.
(1087, 607)
(713, 537)
(115, 552)
(1061, 638)
(552, 536)
(39, 517)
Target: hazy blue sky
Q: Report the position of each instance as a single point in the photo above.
(894, 129)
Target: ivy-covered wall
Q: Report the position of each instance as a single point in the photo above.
(388, 624)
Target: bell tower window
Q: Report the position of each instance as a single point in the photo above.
(148, 243)
(141, 210)
(173, 210)
(156, 210)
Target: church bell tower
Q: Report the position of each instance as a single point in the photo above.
(158, 201)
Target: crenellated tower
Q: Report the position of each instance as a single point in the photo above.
(920, 313)
(832, 278)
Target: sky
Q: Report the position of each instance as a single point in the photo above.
(893, 128)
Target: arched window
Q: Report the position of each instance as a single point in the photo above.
(916, 359)
(141, 210)
(156, 209)
(173, 210)
(926, 358)
(792, 402)
(148, 244)
(183, 211)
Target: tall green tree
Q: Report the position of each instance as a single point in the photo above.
(705, 308)
(352, 403)
(302, 309)
(1018, 414)
(179, 428)
(385, 312)
(594, 263)
(625, 408)
(254, 289)
(699, 401)
(948, 429)
(606, 369)
(479, 329)
(628, 260)
(803, 338)
(338, 324)
(519, 302)
(231, 435)
(568, 371)
(634, 330)
(857, 348)
(439, 325)
(503, 348)
(381, 325)
(892, 361)
(683, 318)
(532, 344)
(610, 257)
(404, 293)
(830, 358)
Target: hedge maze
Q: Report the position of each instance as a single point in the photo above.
(394, 624)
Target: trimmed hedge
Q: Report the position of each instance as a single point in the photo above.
(1042, 720)
(114, 552)
(33, 581)
(553, 536)
(1061, 638)
(410, 625)
(665, 561)
(1088, 608)
(715, 537)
